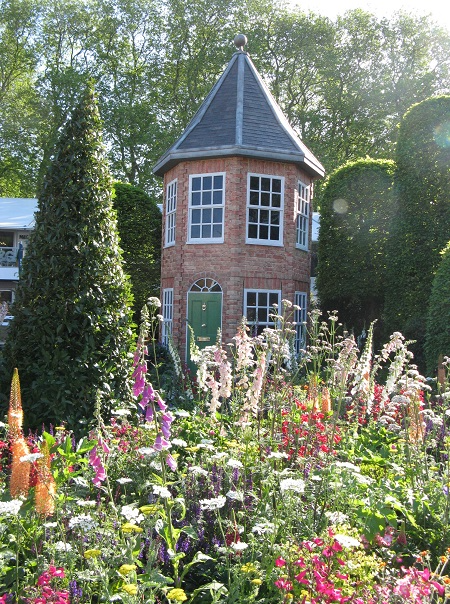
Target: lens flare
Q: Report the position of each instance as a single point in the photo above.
(441, 135)
(340, 206)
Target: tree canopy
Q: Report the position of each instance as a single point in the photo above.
(358, 203)
(343, 84)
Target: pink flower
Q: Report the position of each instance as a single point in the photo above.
(280, 562)
(283, 584)
(160, 443)
(171, 462)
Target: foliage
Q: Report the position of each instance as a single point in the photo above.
(437, 340)
(357, 206)
(422, 220)
(71, 334)
(139, 224)
(343, 84)
(222, 504)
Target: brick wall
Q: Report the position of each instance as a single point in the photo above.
(234, 264)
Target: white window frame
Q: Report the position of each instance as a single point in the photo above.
(268, 307)
(212, 206)
(167, 313)
(302, 219)
(260, 207)
(171, 212)
(300, 318)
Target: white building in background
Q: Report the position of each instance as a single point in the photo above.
(16, 223)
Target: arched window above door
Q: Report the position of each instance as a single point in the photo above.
(206, 285)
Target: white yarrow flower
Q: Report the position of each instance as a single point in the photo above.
(10, 508)
(234, 463)
(292, 484)
(60, 546)
(347, 541)
(179, 442)
(83, 522)
(235, 495)
(132, 514)
(31, 457)
(124, 480)
(162, 492)
(240, 546)
(197, 470)
(213, 504)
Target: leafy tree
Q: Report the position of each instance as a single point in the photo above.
(422, 221)
(357, 206)
(139, 222)
(71, 335)
(437, 341)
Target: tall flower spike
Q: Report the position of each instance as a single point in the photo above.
(15, 412)
(45, 490)
(19, 482)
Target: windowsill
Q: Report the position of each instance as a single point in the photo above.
(205, 241)
(264, 242)
(301, 247)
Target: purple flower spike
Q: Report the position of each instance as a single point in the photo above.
(171, 462)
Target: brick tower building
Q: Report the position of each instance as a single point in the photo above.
(236, 214)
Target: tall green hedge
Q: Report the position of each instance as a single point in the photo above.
(356, 210)
(437, 341)
(139, 221)
(421, 225)
(71, 335)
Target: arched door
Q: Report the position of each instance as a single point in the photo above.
(204, 314)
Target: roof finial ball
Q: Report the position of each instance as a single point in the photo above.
(240, 41)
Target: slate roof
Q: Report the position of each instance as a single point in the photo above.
(240, 117)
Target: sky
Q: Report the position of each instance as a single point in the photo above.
(439, 9)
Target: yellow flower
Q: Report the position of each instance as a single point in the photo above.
(150, 509)
(128, 527)
(130, 588)
(192, 449)
(177, 595)
(125, 569)
(248, 568)
(256, 581)
(92, 553)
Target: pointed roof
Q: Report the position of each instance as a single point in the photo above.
(240, 117)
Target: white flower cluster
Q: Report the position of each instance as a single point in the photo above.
(10, 508)
(292, 484)
(83, 523)
(213, 504)
(162, 492)
(132, 514)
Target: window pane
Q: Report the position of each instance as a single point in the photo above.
(196, 184)
(265, 184)
(274, 233)
(251, 314)
(254, 182)
(217, 215)
(252, 231)
(195, 231)
(262, 299)
(253, 215)
(206, 231)
(254, 198)
(264, 216)
(262, 315)
(265, 199)
(196, 216)
(264, 232)
(217, 197)
(206, 215)
(207, 182)
(276, 200)
(275, 218)
(276, 185)
(218, 182)
(251, 298)
(217, 230)
(195, 199)
(273, 299)
(206, 198)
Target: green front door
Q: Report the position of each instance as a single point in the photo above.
(205, 318)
